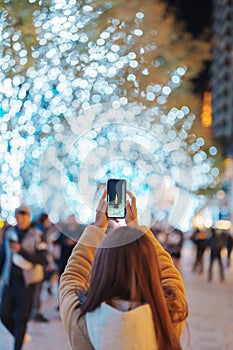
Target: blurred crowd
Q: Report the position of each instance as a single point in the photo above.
(33, 255)
(213, 243)
(219, 244)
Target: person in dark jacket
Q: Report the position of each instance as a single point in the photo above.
(70, 232)
(229, 246)
(216, 243)
(174, 244)
(199, 238)
(22, 256)
(44, 225)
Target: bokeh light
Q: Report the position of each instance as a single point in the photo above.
(56, 115)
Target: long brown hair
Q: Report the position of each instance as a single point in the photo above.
(130, 271)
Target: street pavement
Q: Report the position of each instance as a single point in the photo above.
(210, 306)
(210, 320)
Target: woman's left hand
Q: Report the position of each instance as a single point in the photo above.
(131, 217)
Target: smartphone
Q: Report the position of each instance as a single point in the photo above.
(116, 198)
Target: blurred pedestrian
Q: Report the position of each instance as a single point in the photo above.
(71, 231)
(49, 233)
(22, 257)
(134, 298)
(199, 238)
(174, 244)
(44, 225)
(229, 246)
(159, 234)
(216, 243)
(3, 228)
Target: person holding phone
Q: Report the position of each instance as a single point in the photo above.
(121, 290)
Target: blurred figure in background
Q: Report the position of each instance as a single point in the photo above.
(70, 232)
(49, 233)
(159, 232)
(174, 244)
(229, 246)
(22, 257)
(216, 242)
(66, 246)
(199, 238)
(45, 226)
(3, 227)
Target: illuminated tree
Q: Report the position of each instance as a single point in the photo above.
(89, 57)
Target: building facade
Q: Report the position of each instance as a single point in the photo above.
(222, 74)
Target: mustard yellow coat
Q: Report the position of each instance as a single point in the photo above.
(76, 275)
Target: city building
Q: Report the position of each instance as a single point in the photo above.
(222, 74)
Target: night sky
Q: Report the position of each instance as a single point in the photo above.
(196, 13)
(197, 16)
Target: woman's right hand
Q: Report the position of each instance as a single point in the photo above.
(131, 217)
(101, 219)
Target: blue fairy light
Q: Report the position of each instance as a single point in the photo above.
(79, 111)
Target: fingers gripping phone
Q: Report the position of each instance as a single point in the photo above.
(116, 198)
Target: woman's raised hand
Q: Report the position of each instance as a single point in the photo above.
(131, 217)
(101, 219)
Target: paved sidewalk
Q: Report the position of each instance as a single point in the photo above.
(210, 314)
(210, 306)
(44, 336)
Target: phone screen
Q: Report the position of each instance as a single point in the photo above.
(116, 195)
